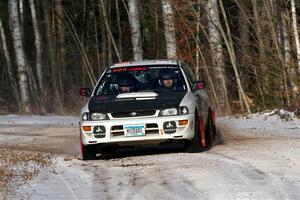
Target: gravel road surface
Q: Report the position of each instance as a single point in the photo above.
(258, 159)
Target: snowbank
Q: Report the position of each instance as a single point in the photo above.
(278, 122)
(39, 120)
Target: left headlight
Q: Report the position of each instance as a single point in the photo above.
(94, 116)
(98, 116)
(168, 112)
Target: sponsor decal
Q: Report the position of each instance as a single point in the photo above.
(99, 131)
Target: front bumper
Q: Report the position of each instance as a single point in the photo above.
(154, 130)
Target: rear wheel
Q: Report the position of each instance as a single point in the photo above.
(88, 152)
(210, 131)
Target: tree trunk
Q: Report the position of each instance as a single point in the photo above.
(229, 43)
(244, 40)
(9, 66)
(97, 47)
(197, 71)
(61, 46)
(38, 46)
(119, 30)
(285, 19)
(261, 49)
(20, 55)
(215, 40)
(21, 14)
(105, 17)
(295, 32)
(51, 53)
(136, 36)
(274, 38)
(169, 28)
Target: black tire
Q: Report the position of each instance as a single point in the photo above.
(88, 152)
(195, 145)
(209, 131)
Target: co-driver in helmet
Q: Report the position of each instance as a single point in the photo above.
(125, 83)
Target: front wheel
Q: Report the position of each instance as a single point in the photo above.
(88, 152)
(196, 144)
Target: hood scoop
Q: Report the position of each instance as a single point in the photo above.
(137, 96)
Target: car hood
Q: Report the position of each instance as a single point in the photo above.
(135, 101)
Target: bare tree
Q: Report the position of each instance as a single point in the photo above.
(259, 25)
(136, 36)
(14, 22)
(215, 40)
(51, 52)
(105, 17)
(38, 45)
(231, 51)
(169, 28)
(285, 23)
(295, 31)
(9, 65)
(119, 30)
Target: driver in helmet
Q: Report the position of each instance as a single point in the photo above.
(167, 79)
(125, 83)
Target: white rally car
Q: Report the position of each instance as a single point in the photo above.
(146, 102)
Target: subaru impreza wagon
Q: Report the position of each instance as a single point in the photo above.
(148, 102)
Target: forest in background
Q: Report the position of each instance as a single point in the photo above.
(247, 51)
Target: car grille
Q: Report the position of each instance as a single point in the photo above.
(150, 129)
(133, 114)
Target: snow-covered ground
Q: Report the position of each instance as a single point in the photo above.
(38, 120)
(259, 159)
(276, 122)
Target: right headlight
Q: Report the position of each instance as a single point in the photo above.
(85, 116)
(182, 110)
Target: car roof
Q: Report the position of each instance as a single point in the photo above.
(144, 62)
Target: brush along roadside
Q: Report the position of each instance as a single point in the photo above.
(19, 167)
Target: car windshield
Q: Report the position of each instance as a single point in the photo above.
(118, 80)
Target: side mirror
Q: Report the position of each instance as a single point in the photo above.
(199, 85)
(85, 92)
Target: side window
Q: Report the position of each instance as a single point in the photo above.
(189, 74)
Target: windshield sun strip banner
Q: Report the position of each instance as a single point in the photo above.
(139, 68)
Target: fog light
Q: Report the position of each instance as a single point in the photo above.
(87, 128)
(183, 122)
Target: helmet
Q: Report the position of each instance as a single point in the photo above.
(125, 80)
(167, 74)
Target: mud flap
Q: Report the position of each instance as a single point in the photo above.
(202, 132)
(214, 129)
(81, 146)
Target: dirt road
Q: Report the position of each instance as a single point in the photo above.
(256, 161)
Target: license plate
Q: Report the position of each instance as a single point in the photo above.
(134, 130)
